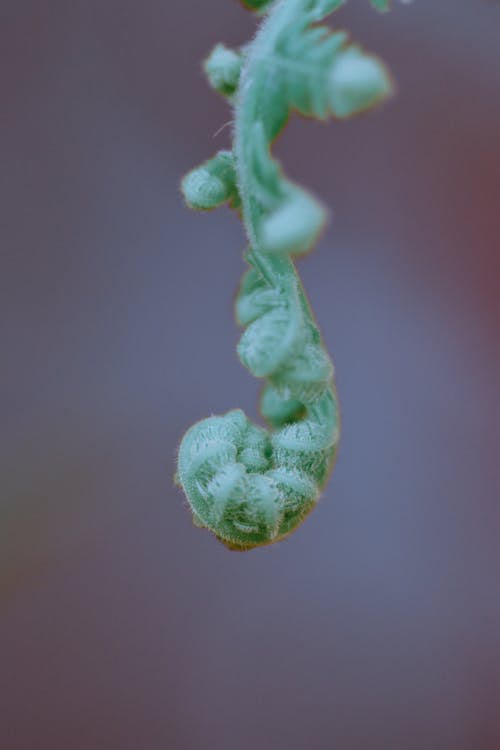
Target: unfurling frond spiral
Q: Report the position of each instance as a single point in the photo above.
(248, 485)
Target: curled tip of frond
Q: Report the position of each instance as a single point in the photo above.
(294, 227)
(211, 184)
(357, 82)
(223, 68)
(247, 485)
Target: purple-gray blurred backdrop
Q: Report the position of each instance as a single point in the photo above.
(376, 626)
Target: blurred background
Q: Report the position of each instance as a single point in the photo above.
(377, 625)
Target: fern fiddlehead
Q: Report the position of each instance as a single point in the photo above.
(248, 485)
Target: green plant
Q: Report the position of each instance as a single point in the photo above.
(249, 486)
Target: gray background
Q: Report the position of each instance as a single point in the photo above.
(376, 626)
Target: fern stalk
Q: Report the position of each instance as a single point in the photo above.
(248, 485)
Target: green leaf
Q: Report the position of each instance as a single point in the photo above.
(252, 487)
(223, 68)
(294, 226)
(304, 56)
(212, 184)
(357, 81)
(322, 8)
(322, 75)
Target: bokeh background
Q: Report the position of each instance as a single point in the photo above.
(376, 626)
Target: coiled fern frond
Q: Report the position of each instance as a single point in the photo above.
(248, 485)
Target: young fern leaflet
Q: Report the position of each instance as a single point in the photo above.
(248, 485)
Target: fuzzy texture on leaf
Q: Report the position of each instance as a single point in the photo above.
(248, 485)
(223, 68)
(212, 184)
